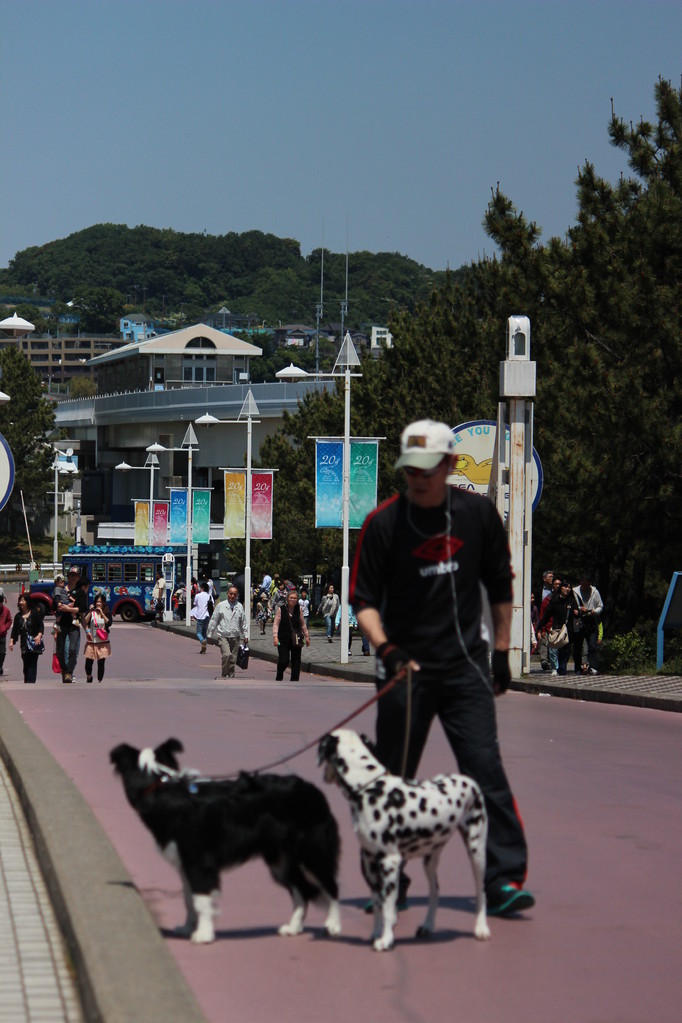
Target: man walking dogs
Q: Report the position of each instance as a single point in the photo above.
(228, 627)
(437, 543)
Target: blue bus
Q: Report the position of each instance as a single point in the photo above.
(124, 576)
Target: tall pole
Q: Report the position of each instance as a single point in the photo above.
(150, 523)
(247, 549)
(345, 572)
(188, 570)
(518, 386)
(55, 548)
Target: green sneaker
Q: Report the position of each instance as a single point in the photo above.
(509, 899)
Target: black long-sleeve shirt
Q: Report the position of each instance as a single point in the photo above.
(423, 577)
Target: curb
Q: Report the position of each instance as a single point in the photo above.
(596, 695)
(124, 972)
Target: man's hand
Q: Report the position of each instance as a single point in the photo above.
(501, 672)
(393, 659)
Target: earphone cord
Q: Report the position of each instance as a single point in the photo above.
(453, 589)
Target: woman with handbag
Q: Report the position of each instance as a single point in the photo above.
(28, 629)
(562, 611)
(97, 623)
(289, 635)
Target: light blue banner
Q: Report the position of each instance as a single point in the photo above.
(178, 516)
(201, 516)
(328, 483)
(363, 481)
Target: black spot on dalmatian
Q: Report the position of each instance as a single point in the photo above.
(395, 798)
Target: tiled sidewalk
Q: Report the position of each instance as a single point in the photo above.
(35, 983)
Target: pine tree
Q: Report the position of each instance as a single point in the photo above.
(26, 422)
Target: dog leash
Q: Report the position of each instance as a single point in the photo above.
(408, 723)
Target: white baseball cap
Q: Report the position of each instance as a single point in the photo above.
(424, 444)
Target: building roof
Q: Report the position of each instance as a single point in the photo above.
(178, 341)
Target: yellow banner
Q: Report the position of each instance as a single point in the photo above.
(141, 524)
(235, 504)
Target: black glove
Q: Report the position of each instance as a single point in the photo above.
(393, 659)
(501, 672)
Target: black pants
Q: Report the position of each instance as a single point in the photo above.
(592, 641)
(283, 652)
(3, 651)
(465, 706)
(30, 660)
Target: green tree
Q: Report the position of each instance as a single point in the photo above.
(82, 387)
(100, 309)
(26, 422)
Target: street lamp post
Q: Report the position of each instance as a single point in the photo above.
(151, 463)
(64, 468)
(248, 410)
(189, 443)
(346, 361)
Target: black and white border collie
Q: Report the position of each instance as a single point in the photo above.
(203, 826)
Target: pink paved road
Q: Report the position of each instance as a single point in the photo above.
(599, 789)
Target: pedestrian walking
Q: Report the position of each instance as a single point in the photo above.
(27, 630)
(227, 626)
(5, 626)
(159, 596)
(201, 614)
(97, 625)
(328, 607)
(289, 635)
(68, 615)
(590, 608)
(415, 586)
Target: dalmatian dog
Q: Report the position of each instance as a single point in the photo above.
(398, 820)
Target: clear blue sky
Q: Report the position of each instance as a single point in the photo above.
(386, 121)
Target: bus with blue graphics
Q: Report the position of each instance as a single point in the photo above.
(123, 575)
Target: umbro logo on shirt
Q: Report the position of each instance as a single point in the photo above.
(438, 548)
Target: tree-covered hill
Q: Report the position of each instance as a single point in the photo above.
(168, 272)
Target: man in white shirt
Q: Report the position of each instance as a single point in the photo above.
(228, 628)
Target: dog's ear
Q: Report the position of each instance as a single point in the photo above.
(165, 753)
(326, 748)
(124, 757)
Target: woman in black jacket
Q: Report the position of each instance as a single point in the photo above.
(289, 634)
(562, 610)
(27, 622)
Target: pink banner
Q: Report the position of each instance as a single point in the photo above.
(160, 524)
(261, 504)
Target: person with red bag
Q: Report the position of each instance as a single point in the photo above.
(97, 623)
(5, 626)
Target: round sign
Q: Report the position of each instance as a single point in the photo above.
(475, 448)
(6, 472)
